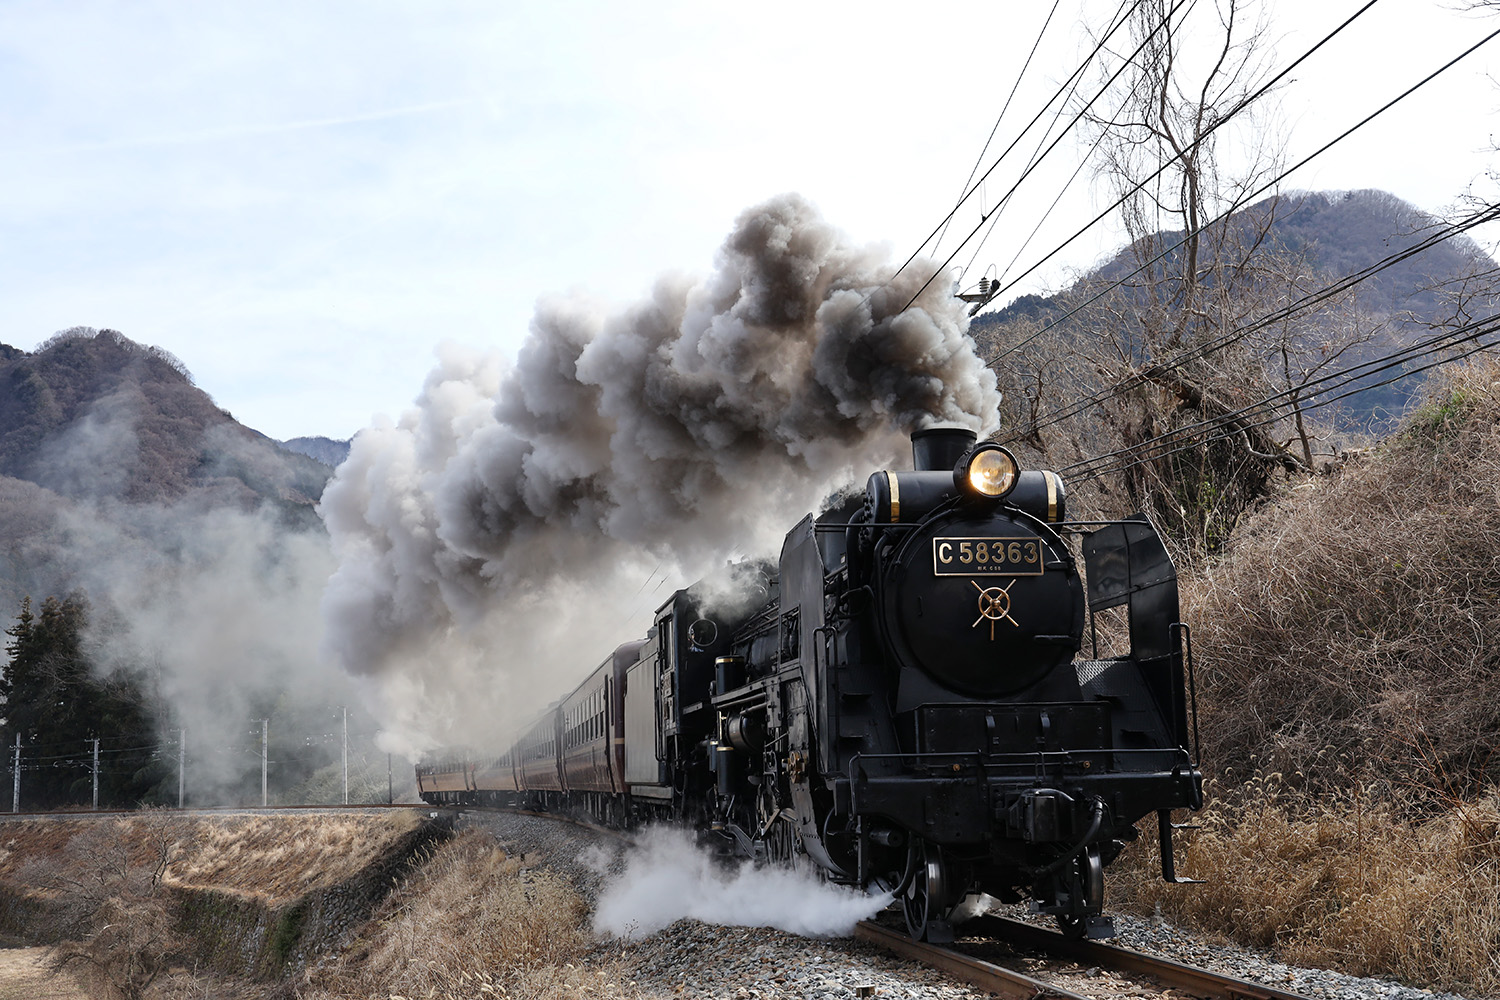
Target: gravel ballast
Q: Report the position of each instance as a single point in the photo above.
(696, 958)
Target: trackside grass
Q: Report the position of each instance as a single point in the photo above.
(474, 921)
(1347, 883)
(1349, 679)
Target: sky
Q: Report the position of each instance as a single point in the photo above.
(302, 201)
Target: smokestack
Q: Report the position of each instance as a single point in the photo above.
(938, 449)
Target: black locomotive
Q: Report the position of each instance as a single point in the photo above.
(905, 705)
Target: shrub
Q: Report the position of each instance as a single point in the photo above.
(1347, 634)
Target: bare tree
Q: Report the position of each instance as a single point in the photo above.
(1165, 315)
(108, 881)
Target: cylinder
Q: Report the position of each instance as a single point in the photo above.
(1042, 495)
(726, 769)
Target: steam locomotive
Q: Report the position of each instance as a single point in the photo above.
(904, 705)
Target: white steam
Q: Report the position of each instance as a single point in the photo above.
(667, 878)
(497, 540)
(213, 606)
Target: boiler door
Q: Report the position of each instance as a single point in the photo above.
(984, 604)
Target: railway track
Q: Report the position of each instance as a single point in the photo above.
(1145, 975)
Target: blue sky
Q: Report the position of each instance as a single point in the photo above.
(301, 200)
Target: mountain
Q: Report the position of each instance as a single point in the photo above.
(107, 447)
(94, 415)
(326, 450)
(1303, 243)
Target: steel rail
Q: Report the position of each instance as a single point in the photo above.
(1176, 975)
(976, 972)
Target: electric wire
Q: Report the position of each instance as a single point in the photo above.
(1340, 378)
(1340, 286)
(1245, 197)
(1193, 146)
(1235, 432)
(1003, 109)
(1014, 142)
(1036, 155)
(1166, 22)
(1166, 444)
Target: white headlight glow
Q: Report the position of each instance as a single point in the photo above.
(991, 472)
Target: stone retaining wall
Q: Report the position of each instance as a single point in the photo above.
(240, 934)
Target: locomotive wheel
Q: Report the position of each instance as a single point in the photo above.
(1085, 893)
(778, 834)
(781, 844)
(927, 897)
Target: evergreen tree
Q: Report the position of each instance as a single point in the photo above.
(58, 706)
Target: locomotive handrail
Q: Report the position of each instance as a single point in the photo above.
(746, 693)
(1185, 640)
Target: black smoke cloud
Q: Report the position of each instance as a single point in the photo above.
(492, 544)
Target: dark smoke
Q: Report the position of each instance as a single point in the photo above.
(501, 531)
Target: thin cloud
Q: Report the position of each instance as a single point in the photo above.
(239, 131)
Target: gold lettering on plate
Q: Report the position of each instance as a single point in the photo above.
(994, 606)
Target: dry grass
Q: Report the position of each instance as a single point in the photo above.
(273, 857)
(474, 921)
(1345, 883)
(281, 857)
(469, 921)
(1350, 629)
(25, 975)
(1349, 681)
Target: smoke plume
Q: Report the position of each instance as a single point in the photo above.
(668, 878)
(497, 540)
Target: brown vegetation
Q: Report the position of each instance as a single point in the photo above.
(136, 905)
(281, 857)
(1348, 636)
(273, 857)
(1346, 881)
(475, 920)
(113, 918)
(1350, 692)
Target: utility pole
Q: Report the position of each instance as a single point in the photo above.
(346, 755)
(15, 787)
(96, 774)
(390, 784)
(265, 729)
(181, 760)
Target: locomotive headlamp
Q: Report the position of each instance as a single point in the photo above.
(987, 471)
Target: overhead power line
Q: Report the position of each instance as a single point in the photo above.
(1307, 396)
(1218, 123)
(1062, 89)
(1255, 193)
(1344, 284)
(964, 193)
(1104, 89)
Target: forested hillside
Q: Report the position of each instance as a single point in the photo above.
(96, 415)
(96, 419)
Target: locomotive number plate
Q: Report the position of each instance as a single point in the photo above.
(987, 556)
